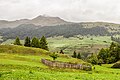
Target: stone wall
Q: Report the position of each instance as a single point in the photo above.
(66, 65)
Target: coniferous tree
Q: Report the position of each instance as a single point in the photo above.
(110, 55)
(112, 46)
(114, 52)
(27, 42)
(118, 53)
(103, 54)
(79, 56)
(74, 55)
(43, 43)
(35, 42)
(17, 41)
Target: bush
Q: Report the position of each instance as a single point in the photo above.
(87, 67)
(93, 59)
(116, 65)
(54, 56)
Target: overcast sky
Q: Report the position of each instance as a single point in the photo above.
(70, 10)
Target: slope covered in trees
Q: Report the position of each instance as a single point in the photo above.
(60, 30)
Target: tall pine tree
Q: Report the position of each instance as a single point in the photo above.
(74, 55)
(79, 56)
(17, 41)
(43, 43)
(35, 42)
(27, 42)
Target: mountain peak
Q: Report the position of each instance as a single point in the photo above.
(46, 17)
(42, 20)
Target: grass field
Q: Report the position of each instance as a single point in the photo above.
(1, 38)
(89, 44)
(27, 66)
(75, 43)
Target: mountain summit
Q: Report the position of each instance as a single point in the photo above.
(48, 21)
(40, 20)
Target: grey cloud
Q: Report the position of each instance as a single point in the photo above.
(70, 10)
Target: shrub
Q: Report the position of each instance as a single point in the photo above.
(54, 56)
(116, 65)
(93, 59)
(87, 67)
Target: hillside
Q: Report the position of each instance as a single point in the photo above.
(66, 30)
(49, 31)
(55, 26)
(23, 66)
(22, 50)
(40, 20)
(112, 27)
(29, 51)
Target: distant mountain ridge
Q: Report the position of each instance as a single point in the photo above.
(40, 20)
(55, 26)
(68, 30)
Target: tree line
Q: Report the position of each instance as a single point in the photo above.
(106, 56)
(35, 42)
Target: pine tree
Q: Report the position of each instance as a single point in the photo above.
(112, 46)
(27, 42)
(74, 55)
(114, 53)
(103, 54)
(35, 42)
(17, 41)
(43, 43)
(79, 56)
(118, 53)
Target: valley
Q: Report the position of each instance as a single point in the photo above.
(23, 43)
(59, 39)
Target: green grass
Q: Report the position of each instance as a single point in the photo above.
(29, 67)
(11, 41)
(73, 43)
(17, 66)
(1, 38)
(22, 50)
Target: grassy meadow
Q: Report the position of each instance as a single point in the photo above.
(90, 44)
(75, 43)
(23, 63)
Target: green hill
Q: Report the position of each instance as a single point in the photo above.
(29, 51)
(66, 30)
(23, 63)
(22, 50)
